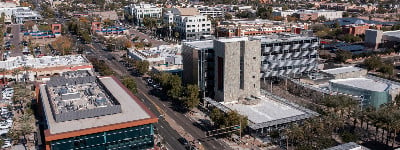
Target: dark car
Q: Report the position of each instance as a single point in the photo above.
(183, 141)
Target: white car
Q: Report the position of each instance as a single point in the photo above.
(7, 143)
(5, 125)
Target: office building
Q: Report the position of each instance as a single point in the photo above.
(88, 112)
(285, 54)
(280, 55)
(141, 11)
(236, 69)
(189, 23)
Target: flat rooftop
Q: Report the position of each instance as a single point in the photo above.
(266, 110)
(234, 39)
(277, 38)
(348, 146)
(131, 110)
(43, 62)
(341, 70)
(207, 44)
(366, 84)
(270, 111)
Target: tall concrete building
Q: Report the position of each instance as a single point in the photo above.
(279, 55)
(227, 69)
(237, 69)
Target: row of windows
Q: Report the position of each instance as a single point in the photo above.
(194, 30)
(290, 67)
(203, 25)
(135, 135)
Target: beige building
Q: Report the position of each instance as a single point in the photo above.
(237, 69)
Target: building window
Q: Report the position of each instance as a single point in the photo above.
(220, 78)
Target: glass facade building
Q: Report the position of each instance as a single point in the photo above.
(368, 97)
(136, 138)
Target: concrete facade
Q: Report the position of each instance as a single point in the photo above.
(236, 69)
(373, 38)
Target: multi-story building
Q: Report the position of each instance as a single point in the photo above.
(189, 23)
(19, 14)
(280, 55)
(335, 6)
(310, 14)
(211, 11)
(88, 112)
(236, 69)
(140, 11)
(254, 27)
(233, 66)
(287, 54)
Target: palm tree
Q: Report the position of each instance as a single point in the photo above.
(26, 68)
(3, 71)
(16, 73)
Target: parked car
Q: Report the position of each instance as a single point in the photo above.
(183, 141)
(7, 143)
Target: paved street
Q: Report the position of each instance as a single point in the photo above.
(149, 100)
(16, 40)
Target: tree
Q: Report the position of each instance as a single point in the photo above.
(26, 76)
(342, 56)
(3, 71)
(130, 83)
(15, 73)
(142, 66)
(174, 86)
(107, 22)
(373, 63)
(387, 69)
(191, 98)
(63, 44)
(227, 16)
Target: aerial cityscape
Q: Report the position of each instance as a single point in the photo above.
(199, 75)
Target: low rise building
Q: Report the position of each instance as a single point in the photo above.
(310, 14)
(345, 72)
(162, 58)
(31, 68)
(18, 15)
(372, 91)
(359, 27)
(89, 112)
(240, 27)
(210, 11)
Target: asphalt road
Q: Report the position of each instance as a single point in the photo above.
(169, 135)
(16, 40)
(186, 123)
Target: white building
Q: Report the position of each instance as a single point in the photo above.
(161, 55)
(140, 11)
(188, 22)
(21, 14)
(210, 11)
(328, 14)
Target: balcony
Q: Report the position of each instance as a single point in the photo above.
(268, 49)
(315, 44)
(279, 56)
(286, 47)
(277, 48)
(296, 70)
(305, 45)
(304, 53)
(296, 46)
(264, 67)
(281, 72)
(313, 52)
(296, 54)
